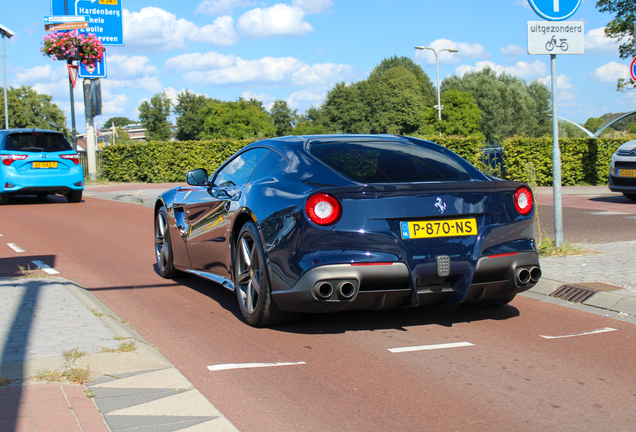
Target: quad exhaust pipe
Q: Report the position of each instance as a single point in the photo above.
(344, 289)
(525, 275)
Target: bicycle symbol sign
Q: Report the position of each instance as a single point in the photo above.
(552, 43)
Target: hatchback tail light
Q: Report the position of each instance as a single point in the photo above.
(8, 159)
(73, 157)
(523, 200)
(323, 209)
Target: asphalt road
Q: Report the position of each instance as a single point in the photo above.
(507, 369)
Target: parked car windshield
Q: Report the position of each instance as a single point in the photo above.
(376, 162)
(37, 142)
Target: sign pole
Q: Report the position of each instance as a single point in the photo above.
(556, 160)
(90, 131)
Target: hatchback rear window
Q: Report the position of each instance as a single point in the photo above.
(377, 162)
(37, 142)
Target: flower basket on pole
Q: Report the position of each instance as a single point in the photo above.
(71, 46)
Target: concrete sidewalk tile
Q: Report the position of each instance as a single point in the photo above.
(190, 403)
(115, 403)
(626, 305)
(42, 392)
(164, 378)
(152, 423)
(49, 405)
(87, 415)
(603, 300)
(17, 424)
(44, 421)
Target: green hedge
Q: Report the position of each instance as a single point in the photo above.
(158, 162)
(583, 160)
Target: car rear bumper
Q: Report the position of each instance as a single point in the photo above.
(337, 287)
(17, 184)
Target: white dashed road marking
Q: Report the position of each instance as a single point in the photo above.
(45, 267)
(15, 247)
(431, 347)
(603, 330)
(249, 365)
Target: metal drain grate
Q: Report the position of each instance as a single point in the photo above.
(571, 293)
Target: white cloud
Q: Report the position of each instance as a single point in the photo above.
(563, 82)
(273, 71)
(220, 33)
(513, 50)
(154, 30)
(610, 72)
(309, 96)
(312, 6)
(41, 73)
(523, 3)
(221, 7)
(151, 84)
(114, 104)
(597, 42)
(278, 20)
(58, 89)
(466, 50)
(127, 67)
(527, 71)
(200, 62)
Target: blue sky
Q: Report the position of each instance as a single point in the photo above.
(298, 49)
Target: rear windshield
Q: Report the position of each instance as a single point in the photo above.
(37, 142)
(373, 162)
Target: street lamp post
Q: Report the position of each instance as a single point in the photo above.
(6, 33)
(439, 101)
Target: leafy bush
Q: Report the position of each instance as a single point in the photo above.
(583, 160)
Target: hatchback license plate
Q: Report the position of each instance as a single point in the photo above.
(44, 164)
(627, 173)
(439, 228)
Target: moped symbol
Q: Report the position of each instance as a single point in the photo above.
(552, 43)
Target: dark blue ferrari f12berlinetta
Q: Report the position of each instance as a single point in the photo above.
(333, 222)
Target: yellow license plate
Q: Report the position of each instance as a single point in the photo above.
(626, 173)
(439, 228)
(44, 164)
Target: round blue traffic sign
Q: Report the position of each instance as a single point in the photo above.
(632, 69)
(555, 10)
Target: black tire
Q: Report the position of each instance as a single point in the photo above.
(491, 303)
(163, 246)
(630, 196)
(4, 198)
(74, 196)
(251, 277)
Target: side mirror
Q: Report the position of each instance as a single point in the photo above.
(197, 177)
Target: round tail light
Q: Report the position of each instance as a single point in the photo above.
(323, 209)
(523, 200)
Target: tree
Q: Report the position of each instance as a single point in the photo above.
(27, 109)
(346, 109)
(396, 102)
(593, 124)
(428, 91)
(460, 116)
(283, 117)
(239, 120)
(118, 121)
(621, 28)
(189, 120)
(508, 105)
(122, 136)
(154, 117)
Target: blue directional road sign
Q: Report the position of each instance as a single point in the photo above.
(632, 69)
(105, 17)
(98, 70)
(555, 10)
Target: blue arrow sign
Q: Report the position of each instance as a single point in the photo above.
(98, 70)
(555, 10)
(105, 17)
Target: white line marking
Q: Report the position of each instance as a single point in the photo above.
(248, 365)
(603, 330)
(431, 347)
(45, 267)
(15, 247)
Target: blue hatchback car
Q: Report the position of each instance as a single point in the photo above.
(38, 162)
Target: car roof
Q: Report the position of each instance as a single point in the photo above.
(5, 132)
